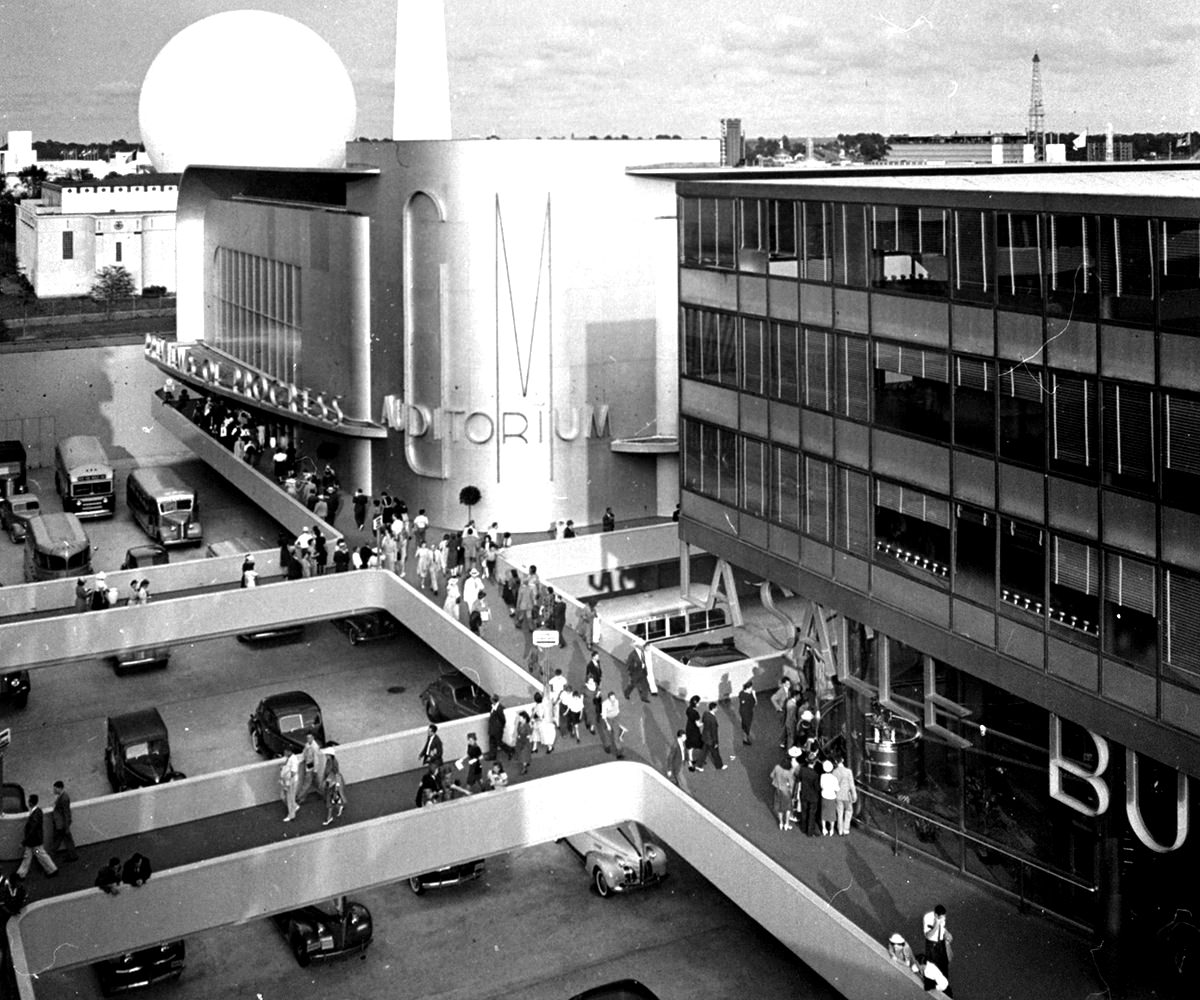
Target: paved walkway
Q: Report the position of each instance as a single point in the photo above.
(999, 952)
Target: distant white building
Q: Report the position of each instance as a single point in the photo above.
(78, 227)
(18, 153)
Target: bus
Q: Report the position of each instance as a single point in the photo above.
(56, 546)
(166, 507)
(83, 477)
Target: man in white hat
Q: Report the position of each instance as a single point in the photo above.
(100, 592)
(472, 587)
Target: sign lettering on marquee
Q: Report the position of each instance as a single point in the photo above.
(480, 427)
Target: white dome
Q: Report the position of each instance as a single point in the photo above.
(247, 88)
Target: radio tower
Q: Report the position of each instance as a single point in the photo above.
(1035, 134)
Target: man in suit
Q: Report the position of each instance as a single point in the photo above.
(431, 754)
(496, 724)
(34, 842)
(709, 734)
(61, 821)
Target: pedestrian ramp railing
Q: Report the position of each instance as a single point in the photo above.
(86, 926)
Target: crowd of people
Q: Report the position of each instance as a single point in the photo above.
(313, 770)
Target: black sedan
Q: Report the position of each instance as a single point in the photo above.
(281, 724)
(453, 696)
(315, 933)
(136, 970)
(14, 687)
(468, 871)
(368, 627)
(137, 751)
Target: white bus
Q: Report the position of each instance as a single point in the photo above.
(166, 507)
(83, 477)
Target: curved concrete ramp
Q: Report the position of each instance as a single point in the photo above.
(86, 926)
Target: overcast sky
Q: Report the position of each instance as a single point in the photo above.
(72, 69)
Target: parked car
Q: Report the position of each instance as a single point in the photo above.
(136, 970)
(14, 687)
(129, 660)
(369, 627)
(453, 696)
(272, 635)
(618, 858)
(147, 554)
(15, 512)
(281, 723)
(316, 933)
(468, 871)
(137, 751)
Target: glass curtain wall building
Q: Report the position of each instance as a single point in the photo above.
(963, 411)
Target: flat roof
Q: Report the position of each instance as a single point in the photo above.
(124, 180)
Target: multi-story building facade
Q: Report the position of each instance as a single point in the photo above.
(76, 228)
(959, 412)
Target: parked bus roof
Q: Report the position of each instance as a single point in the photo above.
(161, 480)
(49, 530)
(82, 449)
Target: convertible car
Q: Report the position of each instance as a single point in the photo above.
(315, 933)
(618, 858)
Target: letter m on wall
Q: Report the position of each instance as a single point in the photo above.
(523, 302)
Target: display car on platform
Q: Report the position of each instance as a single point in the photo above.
(316, 933)
(281, 724)
(368, 627)
(619, 858)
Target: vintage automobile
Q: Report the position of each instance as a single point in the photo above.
(15, 512)
(468, 871)
(453, 696)
(618, 858)
(315, 933)
(137, 751)
(281, 723)
(147, 554)
(369, 626)
(14, 687)
(273, 635)
(136, 970)
(150, 658)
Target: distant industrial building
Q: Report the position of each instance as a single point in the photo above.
(78, 227)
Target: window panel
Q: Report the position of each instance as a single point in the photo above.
(1182, 632)
(1071, 264)
(850, 245)
(818, 241)
(1075, 588)
(854, 507)
(973, 256)
(975, 404)
(818, 375)
(912, 528)
(68, 245)
(754, 477)
(785, 356)
(853, 378)
(1018, 260)
(1023, 415)
(1179, 275)
(785, 495)
(1022, 566)
(726, 247)
(1128, 437)
(1181, 466)
(754, 356)
(1073, 438)
(1127, 269)
(912, 391)
(975, 554)
(818, 498)
(1130, 622)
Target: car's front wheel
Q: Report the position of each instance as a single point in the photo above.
(431, 711)
(417, 886)
(256, 741)
(603, 889)
(299, 949)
